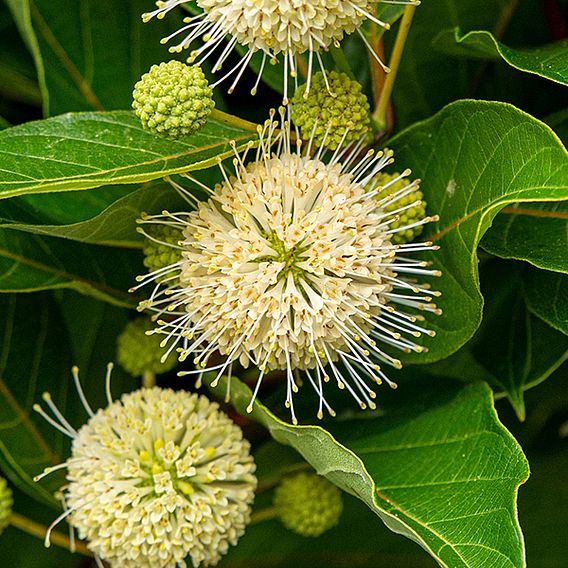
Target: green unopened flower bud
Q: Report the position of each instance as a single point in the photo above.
(341, 108)
(173, 98)
(139, 353)
(308, 504)
(161, 249)
(6, 502)
(406, 217)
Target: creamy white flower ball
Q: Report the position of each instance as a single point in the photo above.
(291, 265)
(156, 478)
(270, 27)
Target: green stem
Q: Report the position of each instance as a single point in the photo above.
(263, 515)
(341, 61)
(380, 114)
(232, 120)
(149, 379)
(377, 72)
(35, 529)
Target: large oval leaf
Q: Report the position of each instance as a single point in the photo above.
(513, 350)
(114, 226)
(438, 468)
(360, 540)
(470, 161)
(547, 297)
(103, 216)
(549, 61)
(87, 150)
(535, 232)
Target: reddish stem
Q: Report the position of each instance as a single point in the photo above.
(554, 17)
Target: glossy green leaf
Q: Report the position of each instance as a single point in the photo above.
(104, 216)
(359, 540)
(547, 297)
(513, 350)
(39, 342)
(428, 79)
(558, 121)
(467, 157)
(72, 44)
(60, 208)
(549, 61)
(113, 226)
(438, 468)
(87, 150)
(535, 232)
(29, 263)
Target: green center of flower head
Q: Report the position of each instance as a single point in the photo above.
(290, 257)
(163, 469)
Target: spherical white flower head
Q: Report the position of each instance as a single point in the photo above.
(272, 27)
(290, 265)
(158, 476)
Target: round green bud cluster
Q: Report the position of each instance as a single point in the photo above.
(341, 107)
(139, 353)
(158, 255)
(308, 504)
(6, 502)
(173, 98)
(406, 217)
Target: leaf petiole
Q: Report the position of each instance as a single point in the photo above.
(263, 515)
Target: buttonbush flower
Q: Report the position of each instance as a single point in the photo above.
(6, 502)
(272, 27)
(140, 353)
(290, 265)
(340, 114)
(409, 216)
(161, 246)
(308, 504)
(173, 99)
(155, 477)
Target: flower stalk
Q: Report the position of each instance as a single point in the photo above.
(38, 530)
(231, 120)
(149, 379)
(263, 515)
(380, 114)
